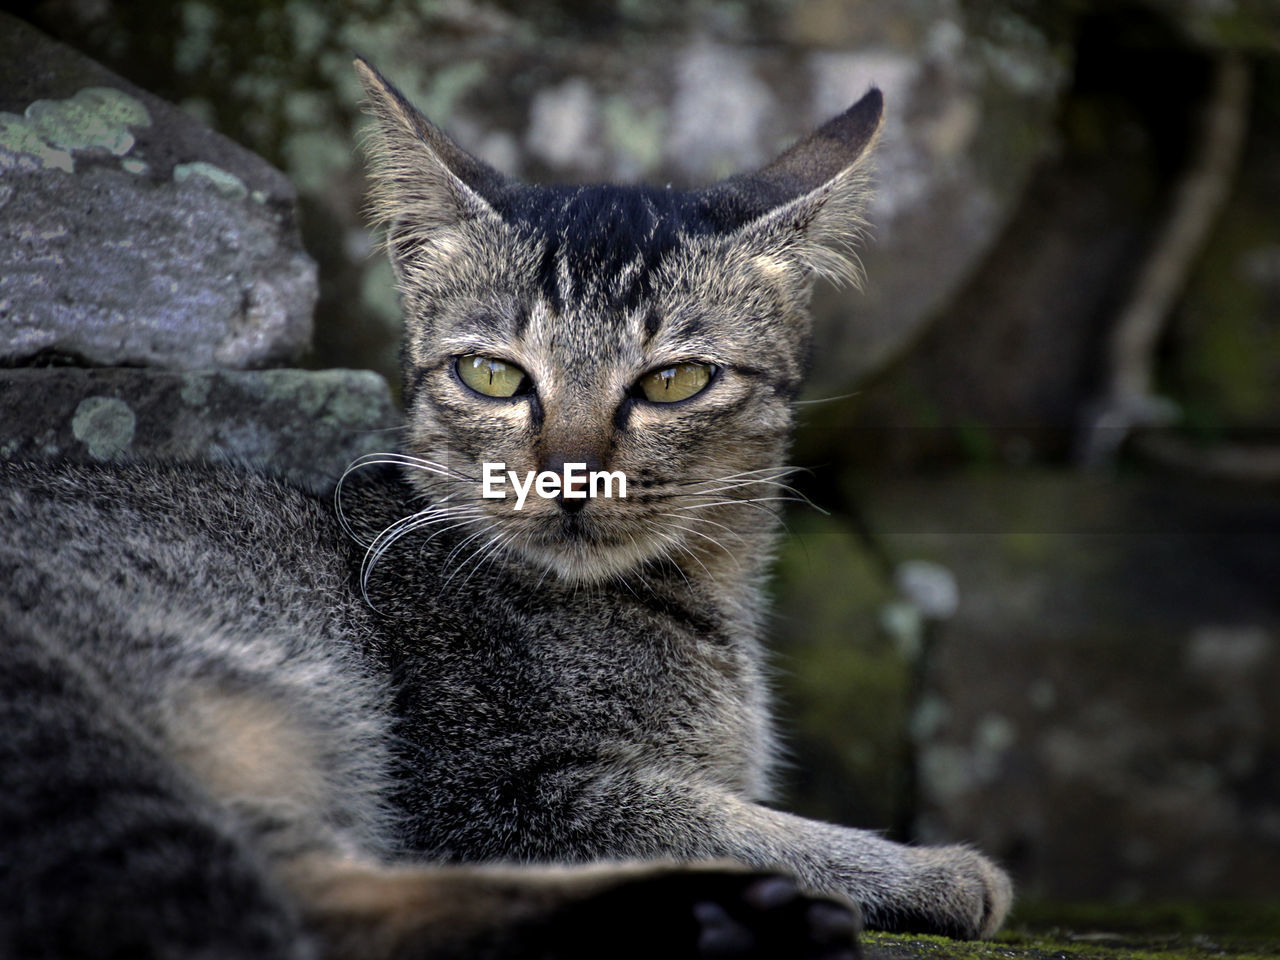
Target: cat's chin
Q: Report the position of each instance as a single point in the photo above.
(582, 562)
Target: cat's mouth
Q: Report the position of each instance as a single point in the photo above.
(581, 549)
(576, 530)
(574, 527)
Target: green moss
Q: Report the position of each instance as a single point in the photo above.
(1061, 944)
(353, 393)
(305, 393)
(1107, 931)
(94, 117)
(1259, 920)
(329, 398)
(19, 136)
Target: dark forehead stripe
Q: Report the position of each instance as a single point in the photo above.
(520, 321)
(597, 232)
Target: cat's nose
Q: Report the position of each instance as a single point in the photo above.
(574, 494)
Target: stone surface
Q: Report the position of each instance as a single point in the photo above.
(306, 425)
(1100, 712)
(131, 235)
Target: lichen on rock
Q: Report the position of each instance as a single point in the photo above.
(105, 425)
(51, 131)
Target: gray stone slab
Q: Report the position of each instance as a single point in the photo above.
(132, 235)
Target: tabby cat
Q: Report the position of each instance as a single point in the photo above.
(242, 721)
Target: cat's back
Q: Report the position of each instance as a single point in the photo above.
(143, 569)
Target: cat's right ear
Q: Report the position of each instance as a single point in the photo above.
(422, 181)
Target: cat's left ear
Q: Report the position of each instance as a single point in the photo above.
(808, 203)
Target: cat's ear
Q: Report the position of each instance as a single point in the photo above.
(422, 180)
(808, 203)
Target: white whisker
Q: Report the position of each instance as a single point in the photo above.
(725, 527)
(405, 525)
(387, 459)
(684, 548)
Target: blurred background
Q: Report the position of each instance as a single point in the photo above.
(1039, 606)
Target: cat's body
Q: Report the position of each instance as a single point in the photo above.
(214, 680)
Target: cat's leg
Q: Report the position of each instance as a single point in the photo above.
(110, 847)
(624, 911)
(949, 890)
(106, 851)
(358, 908)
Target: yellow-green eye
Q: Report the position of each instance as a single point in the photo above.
(491, 377)
(676, 383)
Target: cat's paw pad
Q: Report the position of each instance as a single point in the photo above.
(769, 917)
(721, 915)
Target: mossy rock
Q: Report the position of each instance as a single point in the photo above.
(307, 425)
(1099, 714)
(132, 235)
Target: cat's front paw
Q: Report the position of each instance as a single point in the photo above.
(707, 913)
(955, 892)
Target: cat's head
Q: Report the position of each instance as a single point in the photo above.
(654, 333)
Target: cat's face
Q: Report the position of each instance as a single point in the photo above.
(675, 369)
(652, 334)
